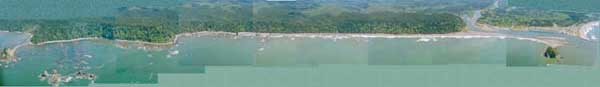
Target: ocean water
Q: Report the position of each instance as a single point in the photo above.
(230, 61)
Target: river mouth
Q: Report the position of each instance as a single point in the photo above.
(193, 54)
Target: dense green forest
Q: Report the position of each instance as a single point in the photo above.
(153, 24)
(520, 17)
(551, 53)
(541, 13)
(49, 30)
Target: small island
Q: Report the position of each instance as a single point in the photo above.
(552, 55)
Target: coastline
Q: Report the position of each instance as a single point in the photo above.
(550, 41)
(11, 52)
(71, 40)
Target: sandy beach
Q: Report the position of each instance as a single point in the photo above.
(550, 41)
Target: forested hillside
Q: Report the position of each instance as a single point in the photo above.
(531, 17)
(161, 24)
(541, 13)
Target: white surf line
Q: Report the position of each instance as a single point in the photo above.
(550, 41)
(586, 29)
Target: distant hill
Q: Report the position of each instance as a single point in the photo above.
(564, 5)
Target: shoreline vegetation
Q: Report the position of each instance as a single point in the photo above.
(530, 15)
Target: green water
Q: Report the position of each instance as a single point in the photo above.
(202, 51)
(444, 51)
(469, 75)
(311, 51)
(229, 61)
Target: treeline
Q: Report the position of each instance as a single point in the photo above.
(377, 22)
(532, 17)
(50, 30)
(287, 17)
(383, 22)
